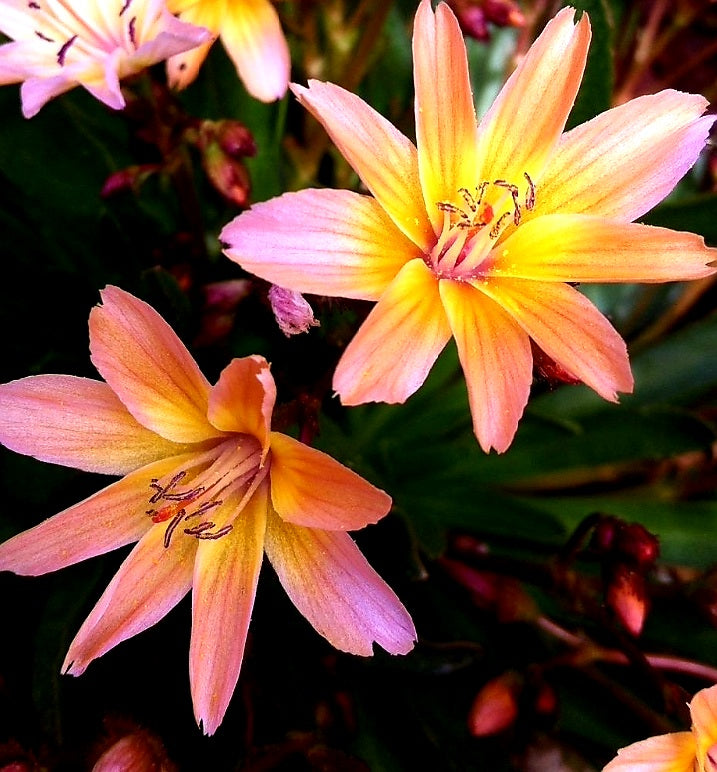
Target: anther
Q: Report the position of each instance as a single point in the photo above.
(530, 193)
(495, 230)
(62, 53)
(513, 189)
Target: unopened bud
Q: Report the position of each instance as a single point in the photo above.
(292, 312)
(548, 369)
(627, 597)
(130, 178)
(235, 139)
(222, 145)
(637, 544)
(495, 707)
(474, 16)
(139, 752)
(220, 302)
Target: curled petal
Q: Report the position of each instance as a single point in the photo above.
(333, 586)
(446, 132)
(149, 368)
(520, 129)
(76, 422)
(396, 346)
(703, 710)
(311, 489)
(107, 520)
(327, 242)
(496, 359)
(626, 160)
(385, 160)
(665, 753)
(243, 399)
(580, 248)
(569, 329)
(148, 585)
(226, 573)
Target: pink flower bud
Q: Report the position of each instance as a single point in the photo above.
(139, 752)
(627, 597)
(495, 707)
(293, 314)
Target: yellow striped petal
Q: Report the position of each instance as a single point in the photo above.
(579, 248)
(496, 359)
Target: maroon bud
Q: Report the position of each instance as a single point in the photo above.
(637, 544)
(495, 707)
(292, 312)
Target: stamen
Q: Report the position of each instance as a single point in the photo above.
(125, 6)
(170, 528)
(35, 6)
(495, 230)
(530, 193)
(163, 491)
(513, 189)
(131, 29)
(44, 37)
(216, 535)
(62, 53)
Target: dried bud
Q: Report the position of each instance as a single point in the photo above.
(293, 314)
(495, 707)
(548, 369)
(139, 752)
(627, 597)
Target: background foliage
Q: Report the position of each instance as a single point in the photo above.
(506, 562)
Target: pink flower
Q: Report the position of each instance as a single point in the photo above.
(207, 488)
(478, 232)
(252, 36)
(57, 45)
(694, 751)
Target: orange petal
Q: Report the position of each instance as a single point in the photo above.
(105, 521)
(76, 422)
(383, 158)
(522, 126)
(496, 359)
(312, 489)
(252, 35)
(333, 586)
(328, 242)
(665, 753)
(703, 710)
(626, 160)
(149, 368)
(225, 579)
(576, 247)
(243, 399)
(569, 329)
(148, 585)
(396, 346)
(446, 131)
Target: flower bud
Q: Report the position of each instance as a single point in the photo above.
(130, 178)
(637, 544)
(627, 597)
(291, 311)
(222, 145)
(495, 707)
(474, 16)
(139, 752)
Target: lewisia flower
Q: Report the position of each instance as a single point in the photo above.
(252, 36)
(59, 44)
(478, 232)
(694, 751)
(207, 488)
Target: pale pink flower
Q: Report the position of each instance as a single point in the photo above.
(693, 751)
(251, 33)
(207, 488)
(59, 44)
(478, 231)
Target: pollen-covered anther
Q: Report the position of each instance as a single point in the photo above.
(477, 213)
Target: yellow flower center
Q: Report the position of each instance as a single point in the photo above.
(471, 228)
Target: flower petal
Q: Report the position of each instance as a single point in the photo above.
(149, 368)
(148, 585)
(446, 131)
(496, 359)
(521, 127)
(382, 157)
(182, 69)
(76, 422)
(107, 520)
(569, 329)
(626, 160)
(243, 399)
(703, 710)
(576, 247)
(327, 242)
(396, 346)
(665, 753)
(225, 578)
(310, 488)
(252, 36)
(333, 586)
